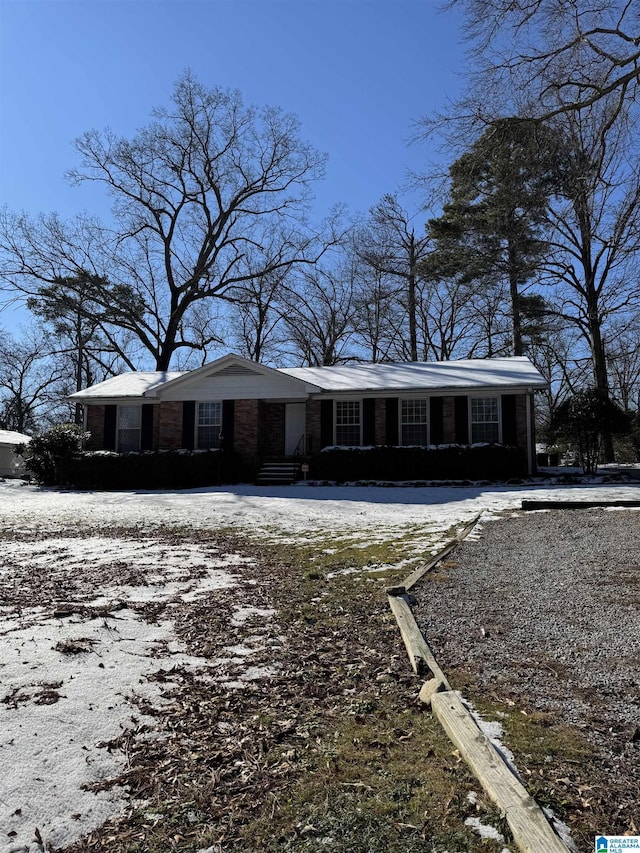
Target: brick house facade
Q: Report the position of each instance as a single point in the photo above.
(260, 412)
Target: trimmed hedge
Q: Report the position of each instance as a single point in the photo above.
(448, 462)
(170, 469)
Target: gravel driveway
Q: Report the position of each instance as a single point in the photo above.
(543, 612)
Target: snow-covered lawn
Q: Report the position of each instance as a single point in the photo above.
(75, 668)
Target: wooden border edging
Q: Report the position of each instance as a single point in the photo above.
(416, 574)
(529, 827)
(420, 654)
(560, 504)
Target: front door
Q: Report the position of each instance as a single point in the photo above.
(295, 421)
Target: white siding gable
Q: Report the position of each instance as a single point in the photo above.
(235, 382)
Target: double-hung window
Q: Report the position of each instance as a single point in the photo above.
(129, 428)
(348, 423)
(209, 425)
(485, 421)
(413, 422)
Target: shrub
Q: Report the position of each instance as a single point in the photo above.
(46, 454)
(583, 420)
(446, 462)
(158, 469)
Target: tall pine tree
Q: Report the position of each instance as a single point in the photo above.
(492, 225)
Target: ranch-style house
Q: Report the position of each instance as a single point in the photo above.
(265, 413)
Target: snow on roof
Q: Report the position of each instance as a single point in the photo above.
(408, 376)
(469, 373)
(7, 436)
(133, 384)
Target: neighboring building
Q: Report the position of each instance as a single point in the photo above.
(262, 412)
(11, 465)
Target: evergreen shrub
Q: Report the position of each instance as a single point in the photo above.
(168, 469)
(444, 462)
(46, 455)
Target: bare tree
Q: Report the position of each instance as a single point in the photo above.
(592, 266)
(569, 53)
(207, 184)
(623, 359)
(255, 315)
(317, 312)
(30, 383)
(452, 323)
(379, 322)
(389, 245)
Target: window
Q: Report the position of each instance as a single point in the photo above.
(413, 422)
(485, 424)
(208, 425)
(348, 423)
(129, 425)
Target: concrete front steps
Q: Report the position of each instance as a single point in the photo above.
(279, 473)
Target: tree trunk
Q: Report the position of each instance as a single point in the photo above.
(516, 323)
(411, 300)
(598, 355)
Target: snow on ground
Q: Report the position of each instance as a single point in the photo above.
(59, 711)
(295, 513)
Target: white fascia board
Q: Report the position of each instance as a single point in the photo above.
(115, 401)
(430, 392)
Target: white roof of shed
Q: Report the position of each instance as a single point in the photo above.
(468, 373)
(7, 436)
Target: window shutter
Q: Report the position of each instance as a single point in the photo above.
(326, 423)
(146, 427)
(228, 423)
(368, 421)
(110, 423)
(391, 418)
(509, 428)
(188, 424)
(462, 420)
(436, 422)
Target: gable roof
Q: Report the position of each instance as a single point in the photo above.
(466, 374)
(231, 365)
(424, 375)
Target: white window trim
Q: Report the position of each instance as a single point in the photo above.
(486, 396)
(413, 397)
(335, 418)
(196, 424)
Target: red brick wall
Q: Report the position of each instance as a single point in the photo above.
(246, 427)
(313, 425)
(168, 424)
(95, 425)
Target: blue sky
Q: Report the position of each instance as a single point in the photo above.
(356, 72)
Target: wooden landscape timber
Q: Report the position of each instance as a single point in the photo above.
(560, 504)
(416, 574)
(530, 829)
(420, 655)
